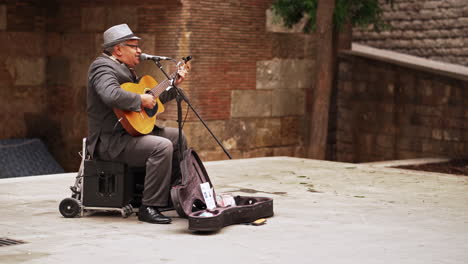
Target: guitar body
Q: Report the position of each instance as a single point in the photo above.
(143, 122)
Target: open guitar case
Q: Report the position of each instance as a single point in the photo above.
(189, 201)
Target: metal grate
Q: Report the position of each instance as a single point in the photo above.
(10, 242)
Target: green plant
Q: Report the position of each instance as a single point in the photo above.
(360, 13)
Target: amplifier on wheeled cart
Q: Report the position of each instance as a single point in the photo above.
(106, 184)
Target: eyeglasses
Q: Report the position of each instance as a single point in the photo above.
(131, 45)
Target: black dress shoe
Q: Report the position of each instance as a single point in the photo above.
(152, 215)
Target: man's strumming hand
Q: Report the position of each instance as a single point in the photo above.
(147, 101)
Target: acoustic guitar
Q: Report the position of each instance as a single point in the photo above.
(143, 122)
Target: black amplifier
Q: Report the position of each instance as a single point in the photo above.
(107, 184)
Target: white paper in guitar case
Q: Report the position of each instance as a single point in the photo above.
(208, 195)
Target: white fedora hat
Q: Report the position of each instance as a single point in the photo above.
(117, 34)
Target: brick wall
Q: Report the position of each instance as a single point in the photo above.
(434, 29)
(247, 82)
(388, 109)
(240, 83)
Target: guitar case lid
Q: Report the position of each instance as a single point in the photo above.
(189, 202)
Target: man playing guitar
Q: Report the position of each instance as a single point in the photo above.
(108, 140)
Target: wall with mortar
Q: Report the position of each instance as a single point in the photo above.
(434, 29)
(46, 50)
(391, 109)
(248, 82)
(249, 77)
(23, 75)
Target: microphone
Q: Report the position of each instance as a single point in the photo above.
(145, 56)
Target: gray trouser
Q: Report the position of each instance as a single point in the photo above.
(158, 152)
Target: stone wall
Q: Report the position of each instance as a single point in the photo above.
(23, 75)
(46, 50)
(247, 78)
(434, 29)
(392, 109)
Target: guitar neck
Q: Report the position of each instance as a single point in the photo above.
(161, 87)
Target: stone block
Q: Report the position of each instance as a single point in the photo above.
(236, 134)
(453, 134)
(79, 71)
(218, 155)
(93, 19)
(58, 70)
(291, 130)
(269, 74)
(199, 138)
(6, 79)
(18, 102)
(287, 102)
(367, 143)
(22, 44)
(345, 157)
(40, 125)
(344, 136)
(346, 147)
(454, 111)
(268, 132)
(71, 124)
(409, 143)
(288, 151)
(275, 23)
(54, 45)
(82, 44)
(13, 127)
(124, 14)
(60, 98)
(98, 41)
(3, 17)
(27, 71)
(291, 45)
(242, 132)
(415, 131)
(437, 148)
(65, 18)
(260, 152)
(285, 74)
(300, 152)
(385, 141)
(248, 103)
(401, 154)
(344, 71)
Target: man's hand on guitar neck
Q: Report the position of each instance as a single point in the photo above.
(179, 80)
(147, 101)
(181, 73)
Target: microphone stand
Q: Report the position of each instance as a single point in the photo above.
(181, 96)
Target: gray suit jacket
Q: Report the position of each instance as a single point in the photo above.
(104, 93)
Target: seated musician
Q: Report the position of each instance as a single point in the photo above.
(108, 140)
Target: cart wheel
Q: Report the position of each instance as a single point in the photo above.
(69, 207)
(127, 210)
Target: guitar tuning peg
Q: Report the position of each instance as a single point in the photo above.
(186, 59)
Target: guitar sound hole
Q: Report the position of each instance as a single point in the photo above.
(151, 112)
